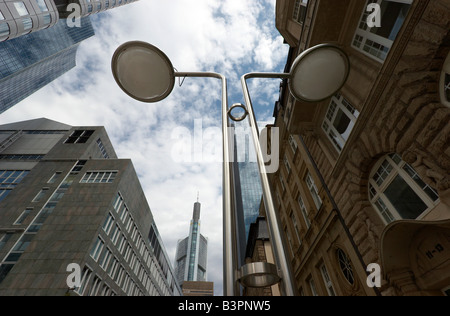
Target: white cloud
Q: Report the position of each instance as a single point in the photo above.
(232, 37)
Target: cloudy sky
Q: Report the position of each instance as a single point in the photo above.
(232, 37)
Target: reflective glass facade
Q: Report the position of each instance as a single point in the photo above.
(32, 61)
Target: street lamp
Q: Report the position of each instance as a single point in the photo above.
(146, 74)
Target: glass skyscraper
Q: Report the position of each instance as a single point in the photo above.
(191, 255)
(247, 186)
(30, 62)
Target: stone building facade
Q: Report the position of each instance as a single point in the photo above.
(365, 175)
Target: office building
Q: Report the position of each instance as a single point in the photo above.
(38, 44)
(21, 17)
(67, 201)
(191, 257)
(30, 62)
(363, 181)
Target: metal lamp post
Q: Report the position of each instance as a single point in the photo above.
(146, 74)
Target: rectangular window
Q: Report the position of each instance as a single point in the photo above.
(102, 149)
(99, 177)
(304, 211)
(21, 8)
(297, 230)
(327, 280)
(97, 248)
(377, 41)
(4, 30)
(40, 195)
(86, 277)
(293, 144)
(79, 137)
(108, 223)
(23, 216)
(287, 164)
(313, 190)
(55, 177)
(300, 9)
(339, 121)
(312, 286)
(27, 24)
(42, 5)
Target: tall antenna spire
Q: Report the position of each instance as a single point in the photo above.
(198, 195)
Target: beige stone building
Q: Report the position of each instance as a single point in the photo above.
(364, 175)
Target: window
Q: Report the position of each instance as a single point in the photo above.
(47, 18)
(108, 223)
(86, 276)
(55, 177)
(345, 265)
(42, 5)
(445, 82)
(40, 195)
(339, 121)
(99, 177)
(297, 230)
(304, 211)
(23, 216)
(27, 24)
(4, 30)
(102, 149)
(293, 144)
(300, 9)
(397, 192)
(377, 41)
(21, 8)
(9, 179)
(327, 280)
(313, 190)
(287, 165)
(312, 286)
(97, 249)
(79, 137)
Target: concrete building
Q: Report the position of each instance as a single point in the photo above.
(365, 174)
(198, 288)
(67, 201)
(191, 259)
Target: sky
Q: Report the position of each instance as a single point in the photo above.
(175, 144)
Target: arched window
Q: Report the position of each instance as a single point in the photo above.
(346, 266)
(397, 191)
(444, 84)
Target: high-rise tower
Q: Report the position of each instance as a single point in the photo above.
(191, 256)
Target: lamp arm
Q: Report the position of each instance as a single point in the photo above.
(230, 261)
(273, 220)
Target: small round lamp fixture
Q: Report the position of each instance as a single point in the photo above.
(143, 71)
(318, 73)
(258, 275)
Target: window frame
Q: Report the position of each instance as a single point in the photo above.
(397, 169)
(339, 103)
(365, 34)
(443, 86)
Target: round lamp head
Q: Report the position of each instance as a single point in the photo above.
(318, 73)
(143, 71)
